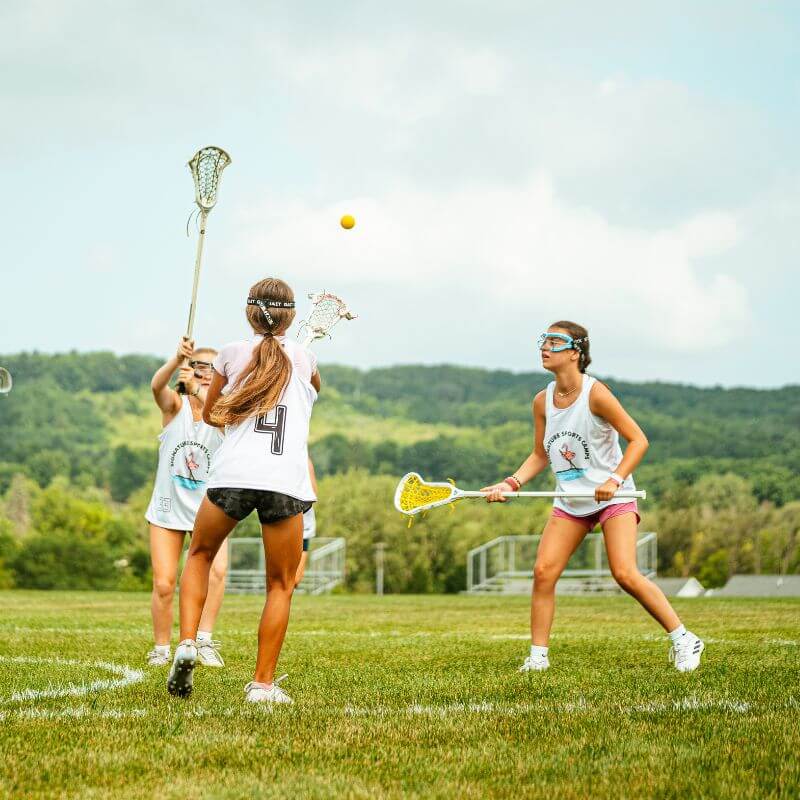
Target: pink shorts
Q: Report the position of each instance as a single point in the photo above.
(599, 517)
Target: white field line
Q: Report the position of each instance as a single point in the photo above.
(690, 704)
(395, 634)
(126, 676)
(79, 712)
(557, 636)
(580, 706)
(78, 631)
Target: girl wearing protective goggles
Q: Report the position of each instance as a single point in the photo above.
(577, 424)
(186, 449)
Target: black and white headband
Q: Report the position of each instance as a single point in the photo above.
(265, 304)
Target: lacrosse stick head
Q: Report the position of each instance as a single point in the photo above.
(5, 381)
(206, 167)
(326, 311)
(415, 495)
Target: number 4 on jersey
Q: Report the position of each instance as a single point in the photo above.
(274, 422)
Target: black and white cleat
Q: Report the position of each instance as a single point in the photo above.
(179, 682)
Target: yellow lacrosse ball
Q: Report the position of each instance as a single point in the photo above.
(347, 221)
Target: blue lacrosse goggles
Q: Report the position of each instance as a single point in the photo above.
(559, 342)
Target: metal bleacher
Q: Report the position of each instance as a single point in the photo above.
(505, 565)
(246, 574)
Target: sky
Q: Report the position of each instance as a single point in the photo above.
(632, 167)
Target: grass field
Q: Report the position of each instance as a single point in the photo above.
(403, 697)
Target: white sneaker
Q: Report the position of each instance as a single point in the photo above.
(155, 658)
(257, 693)
(686, 652)
(207, 653)
(179, 681)
(535, 664)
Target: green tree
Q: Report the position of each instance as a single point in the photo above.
(714, 570)
(8, 551)
(48, 464)
(130, 470)
(62, 561)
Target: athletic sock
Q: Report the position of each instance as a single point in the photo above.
(539, 652)
(203, 636)
(162, 649)
(677, 633)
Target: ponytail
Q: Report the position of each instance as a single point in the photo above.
(259, 388)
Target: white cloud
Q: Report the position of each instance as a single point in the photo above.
(512, 252)
(426, 122)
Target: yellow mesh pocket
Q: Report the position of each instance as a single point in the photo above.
(417, 494)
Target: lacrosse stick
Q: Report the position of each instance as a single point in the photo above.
(206, 168)
(5, 381)
(326, 310)
(415, 495)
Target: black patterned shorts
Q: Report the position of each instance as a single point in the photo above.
(271, 506)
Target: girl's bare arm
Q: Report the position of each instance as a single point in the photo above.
(602, 403)
(167, 399)
(218, 383)
(534, 463)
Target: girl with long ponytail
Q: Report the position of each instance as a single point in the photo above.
(262, 393)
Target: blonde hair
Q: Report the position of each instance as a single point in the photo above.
(198, 350)
(261, 384)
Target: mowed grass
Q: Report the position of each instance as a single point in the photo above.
(405, 697)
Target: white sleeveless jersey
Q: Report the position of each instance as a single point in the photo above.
(583, 451)
(269, 451)
(185, 456)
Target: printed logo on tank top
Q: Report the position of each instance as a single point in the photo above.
(569, 455)
(189, 464)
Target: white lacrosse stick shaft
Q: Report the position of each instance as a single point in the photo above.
(193, 305)
(206, 167)
(640, 495)
(197, 262)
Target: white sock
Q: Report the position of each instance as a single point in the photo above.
(203, 636)
(677, 633)
(539, 652)
(162, 649)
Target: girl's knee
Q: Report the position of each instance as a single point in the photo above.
(203, 551)
(281, 582)
(545, 573)
(628, 578)
(218, 572)
(164, 588)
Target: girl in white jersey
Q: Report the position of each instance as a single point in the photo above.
(185, 453)
(262, 391)
(577, 423)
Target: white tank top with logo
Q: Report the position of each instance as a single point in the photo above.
(185, 455)
(269, 451)
(583, 451)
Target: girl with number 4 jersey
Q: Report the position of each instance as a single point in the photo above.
(578, 422)
(262, 391)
